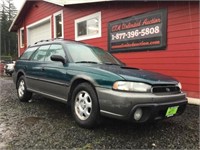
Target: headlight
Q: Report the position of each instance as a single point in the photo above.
(179, 85)
(131, 86)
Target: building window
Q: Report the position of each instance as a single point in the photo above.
(58, 25)
(21, 37)
(88, 27)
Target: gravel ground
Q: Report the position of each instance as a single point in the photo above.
(46, 124)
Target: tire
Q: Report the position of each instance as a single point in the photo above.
(22, 93)
(85, 106)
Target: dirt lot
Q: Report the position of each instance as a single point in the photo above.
(46, 124)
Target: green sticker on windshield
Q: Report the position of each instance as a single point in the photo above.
(171, 111)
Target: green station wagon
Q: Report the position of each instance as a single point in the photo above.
(95, 83)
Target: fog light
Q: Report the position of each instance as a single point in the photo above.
(138, 114)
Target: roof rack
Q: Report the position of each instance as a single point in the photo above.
(54, 39)
(74, 41)
(48, 40)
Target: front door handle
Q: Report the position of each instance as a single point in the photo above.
(42, 69)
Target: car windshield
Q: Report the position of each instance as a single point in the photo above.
(89, 54)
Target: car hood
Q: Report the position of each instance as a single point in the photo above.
(134, 74)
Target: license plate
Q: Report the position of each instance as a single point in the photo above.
(171, 111)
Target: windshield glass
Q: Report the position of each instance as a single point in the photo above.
(89, 54)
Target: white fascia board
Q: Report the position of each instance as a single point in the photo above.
(57, 2)
(16, 16)
(71, 2)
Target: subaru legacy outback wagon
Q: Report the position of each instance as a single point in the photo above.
(95, 83)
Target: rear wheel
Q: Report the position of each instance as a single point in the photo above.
(85, 106)
(23, 94)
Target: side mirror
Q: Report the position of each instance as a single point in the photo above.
(58, 58)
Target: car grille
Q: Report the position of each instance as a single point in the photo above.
(166, 89)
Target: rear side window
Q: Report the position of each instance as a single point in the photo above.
(27, 54)
(55, 49)
(40, 54)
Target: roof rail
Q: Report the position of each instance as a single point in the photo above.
(74, 41)
(48, 40)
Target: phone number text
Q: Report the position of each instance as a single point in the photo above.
(136, 33)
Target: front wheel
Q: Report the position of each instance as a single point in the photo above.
(85, 106)
(23, 94)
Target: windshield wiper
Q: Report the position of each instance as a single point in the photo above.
(91, 62)
(110, 63)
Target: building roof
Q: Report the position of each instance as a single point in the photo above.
(27, 4)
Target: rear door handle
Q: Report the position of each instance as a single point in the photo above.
(42, 69)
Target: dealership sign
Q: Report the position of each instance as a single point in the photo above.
(136, 33)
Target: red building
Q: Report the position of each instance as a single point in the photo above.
(166, 42)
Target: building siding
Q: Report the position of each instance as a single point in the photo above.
(181, 57)
(39, 11)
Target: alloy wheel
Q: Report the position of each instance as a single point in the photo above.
(83, 105)
(21, 88)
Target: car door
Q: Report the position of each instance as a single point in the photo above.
(35, 70)
(24, 62)
(56, 74)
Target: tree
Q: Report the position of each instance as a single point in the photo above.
(8, 42)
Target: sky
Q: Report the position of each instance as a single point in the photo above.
(18, 3)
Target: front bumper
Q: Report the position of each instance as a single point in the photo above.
(122, 105)
(10, 71)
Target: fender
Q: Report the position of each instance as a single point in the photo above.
(16, 74)
(83, 77)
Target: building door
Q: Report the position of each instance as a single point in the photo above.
(38, 32)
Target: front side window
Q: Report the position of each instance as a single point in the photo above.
(55, 49)
(58, 25)
(27, 54)
(88, 27)
(40, 54)
(83, 53)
